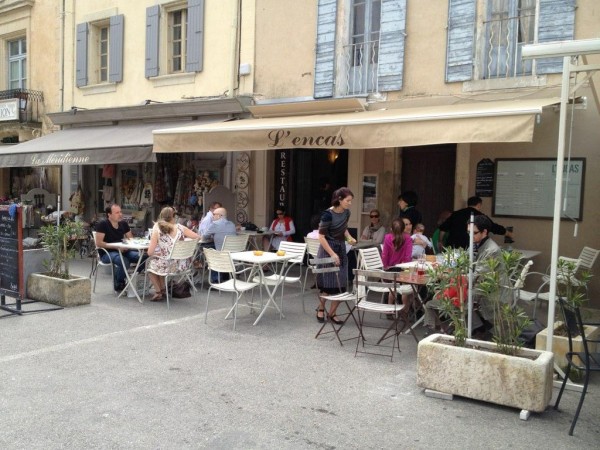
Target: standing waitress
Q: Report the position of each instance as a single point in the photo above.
(333, 235)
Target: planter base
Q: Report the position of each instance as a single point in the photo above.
(519, 382)
(73, 292)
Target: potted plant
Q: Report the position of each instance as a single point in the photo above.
(572, 287)
(500, 371)
(57, 285)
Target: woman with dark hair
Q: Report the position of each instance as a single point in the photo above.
(407, 202)
(397, 249)
(165, 233)
(333, 235)
(282, 227)
(375, 231)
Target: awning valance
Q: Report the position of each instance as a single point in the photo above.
(495, 121)
(111, 144)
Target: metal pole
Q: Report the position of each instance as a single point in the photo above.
(560, 157)
(470, 295)
(58, 210)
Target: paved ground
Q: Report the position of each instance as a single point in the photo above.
(119, 374)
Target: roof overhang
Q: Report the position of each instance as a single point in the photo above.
(494, 121)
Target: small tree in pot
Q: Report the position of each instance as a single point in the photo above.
(59, 241)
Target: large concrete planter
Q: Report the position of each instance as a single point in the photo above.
(33, 262)
(523, 381)
(73, 292)
(560, 344)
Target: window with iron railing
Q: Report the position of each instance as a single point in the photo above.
(510, 25)
(361, 56)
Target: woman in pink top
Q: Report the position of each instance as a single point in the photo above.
(397, 249)
(397, 246)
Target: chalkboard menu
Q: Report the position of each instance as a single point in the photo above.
(484, 178)
(11, 252)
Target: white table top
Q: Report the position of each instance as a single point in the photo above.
(527, 254)
(267, 257)
(410, 264)
(135, 244)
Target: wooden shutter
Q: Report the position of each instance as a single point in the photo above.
(81, 61)
(461, 40)
(391, 45)
(556, 23)
(195, 36)
(325, 53)
(115, 48)
(152, 36)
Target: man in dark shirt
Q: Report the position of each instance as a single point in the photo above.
(407, 202)
(108, 231)
(456, 225)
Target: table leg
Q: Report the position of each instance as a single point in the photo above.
(271, 293)
(131, 279)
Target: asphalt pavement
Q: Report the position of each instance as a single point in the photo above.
(123, 375)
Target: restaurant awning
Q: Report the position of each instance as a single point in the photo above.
(110, 144)
(494, 121)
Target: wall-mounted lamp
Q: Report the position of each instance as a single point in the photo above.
(74, 109)
(333, 155)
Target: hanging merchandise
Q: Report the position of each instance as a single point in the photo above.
(77, 201)
(108, 171)
(146, 199)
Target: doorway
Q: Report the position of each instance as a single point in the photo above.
(429, 171)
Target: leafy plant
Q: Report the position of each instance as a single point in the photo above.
(571, 284)
(59, 241)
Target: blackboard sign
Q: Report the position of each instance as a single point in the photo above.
(11, 252)
(484, 178)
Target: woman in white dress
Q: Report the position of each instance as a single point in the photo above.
(165, 233)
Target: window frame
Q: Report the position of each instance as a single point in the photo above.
(95, 54)
(21, 59)
(166, 30)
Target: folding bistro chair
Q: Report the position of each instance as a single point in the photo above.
(363, 281)
(327, 265)
(586, 361)
(97, 262)
(296, 249)
(220, 261)
(370, 259)
(180, 264)
(312, 250)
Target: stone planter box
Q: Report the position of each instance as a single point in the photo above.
(73, 292)
(515, 381)
(33, 262)
(560, 344)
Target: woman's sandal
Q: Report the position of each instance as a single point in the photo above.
(320, 318)
(157, 297)
(335, 320)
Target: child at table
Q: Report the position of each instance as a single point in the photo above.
(420, 242)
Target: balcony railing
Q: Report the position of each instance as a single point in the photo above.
(360, 68)
(30, 103)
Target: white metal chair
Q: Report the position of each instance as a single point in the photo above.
(235, 243)
(365, 280)
(181, 268)
(281, 279)
(97, 262)
(370, 260)
(220, 261)
(312, 248)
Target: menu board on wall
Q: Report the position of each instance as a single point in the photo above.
(484, 178)
(525, 188)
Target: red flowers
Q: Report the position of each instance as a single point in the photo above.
(453, 293)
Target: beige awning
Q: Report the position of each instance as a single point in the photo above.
(494, 121)
(110, 144)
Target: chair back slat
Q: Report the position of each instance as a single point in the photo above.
(370, 258)
(312, 246)
(296, 249)
(235, 243)
(184, 249)
(588, 257)
(219, 261)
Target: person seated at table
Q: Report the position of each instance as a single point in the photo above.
(375, 231)
(282, 227)
(217, 230)
(206, 221)
(397, 249)
(112, 230)
(164, 235)
(420, 242)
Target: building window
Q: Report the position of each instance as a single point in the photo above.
(362, 54)
(510, 25)
(177, 44)
(103, 55)
(17, 64)
(99, 58)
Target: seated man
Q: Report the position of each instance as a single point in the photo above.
(108, 231)
(217, 230)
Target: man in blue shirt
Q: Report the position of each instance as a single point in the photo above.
(218, 229)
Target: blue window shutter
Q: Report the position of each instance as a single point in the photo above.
(557, 23)
(195, 36)
(152, 36)
(325, 53)
(461, 40)
(391, 45)
(81, 61)
(115, 48)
